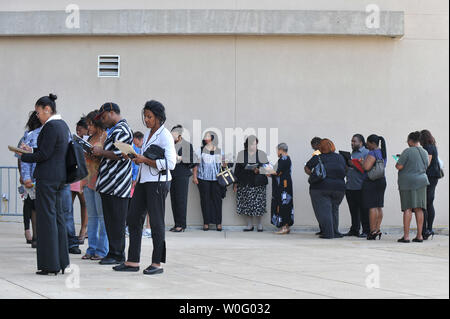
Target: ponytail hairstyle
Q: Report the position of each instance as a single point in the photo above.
(361, 138)
(414, 136)
(375, 139)
(48, 101)
(83, 122)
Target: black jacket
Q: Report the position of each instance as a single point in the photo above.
(184, 168)
(50, 155)
(248, 177)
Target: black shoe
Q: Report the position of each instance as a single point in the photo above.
(34, 244)
(417, 240)
(75, 251)
(402, 240)
(338, 235)
(351, 233)
(318, 233)
(260, 230)
(172, 229)
(363, 235)
(46, 273)
(178, 230)
(205, 228)
(249, 229)
(324, 237)
(151, 270)
(109, 261)
(427, 235)
(123, 267)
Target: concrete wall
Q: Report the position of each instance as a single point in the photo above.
(304, 86)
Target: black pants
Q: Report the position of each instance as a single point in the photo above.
(179, 197)
(148, 197)
(359, 214)
(326, 206)
(429, 213)
(52, 247)
(28, 207)
(211, 201)
(115, 211)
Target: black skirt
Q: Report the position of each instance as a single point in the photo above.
(373, 193)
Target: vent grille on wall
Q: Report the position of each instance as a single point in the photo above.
(108, 66)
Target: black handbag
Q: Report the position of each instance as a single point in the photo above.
(318, 173)
(76, 168)
(226, 177)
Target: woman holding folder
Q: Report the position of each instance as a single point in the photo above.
(50, 174)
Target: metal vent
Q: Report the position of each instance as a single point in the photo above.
(108, 66)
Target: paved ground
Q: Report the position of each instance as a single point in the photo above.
(234, 264)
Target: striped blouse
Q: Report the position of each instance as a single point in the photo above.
(114, 176)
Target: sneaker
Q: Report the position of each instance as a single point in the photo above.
(147, 233)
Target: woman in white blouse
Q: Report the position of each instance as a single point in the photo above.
(205, 177)
(152, 187)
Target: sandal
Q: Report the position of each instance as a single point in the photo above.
(96, 257)
(86, 257)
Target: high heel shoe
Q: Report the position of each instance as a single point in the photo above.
(379, 233)
(178, 230)
(427, 235)
(373, 235)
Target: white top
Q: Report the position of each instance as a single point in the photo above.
(163, 139)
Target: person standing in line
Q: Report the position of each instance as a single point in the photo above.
(211, 158)
(97, 237)
(434, 174)
(138, 141)
(26, 170)
(373, 190)
(50, 174)
(179, 186)
(77, 188)
(251, 186)
(114, 180)
(412, 184)
(327, 194)
(353, 192)
(153, 185)
(282, 205)
(315, 145)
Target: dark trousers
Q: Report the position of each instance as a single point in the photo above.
(179, 197)
(52, 247)
(429, 213)
(326, 206)
(210, 201)
(359, 214)
(115, 211)
(148, 197)
(28, 207)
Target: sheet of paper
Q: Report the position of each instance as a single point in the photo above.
(18, 150)
(125, 148)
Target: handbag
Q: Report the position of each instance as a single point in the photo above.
(318, 173)
(76, 168)
(226, 177)
(377, 171)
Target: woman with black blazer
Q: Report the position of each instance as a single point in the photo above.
(50, 174)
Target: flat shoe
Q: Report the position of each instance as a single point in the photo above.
(151, 270)
(126, 268)
(402, 240)
(416, 240)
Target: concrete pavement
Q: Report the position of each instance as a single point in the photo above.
(233, 264)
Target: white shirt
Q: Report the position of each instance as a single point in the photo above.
(163, 139)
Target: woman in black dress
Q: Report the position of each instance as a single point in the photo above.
(251, 186)
(282, 208)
